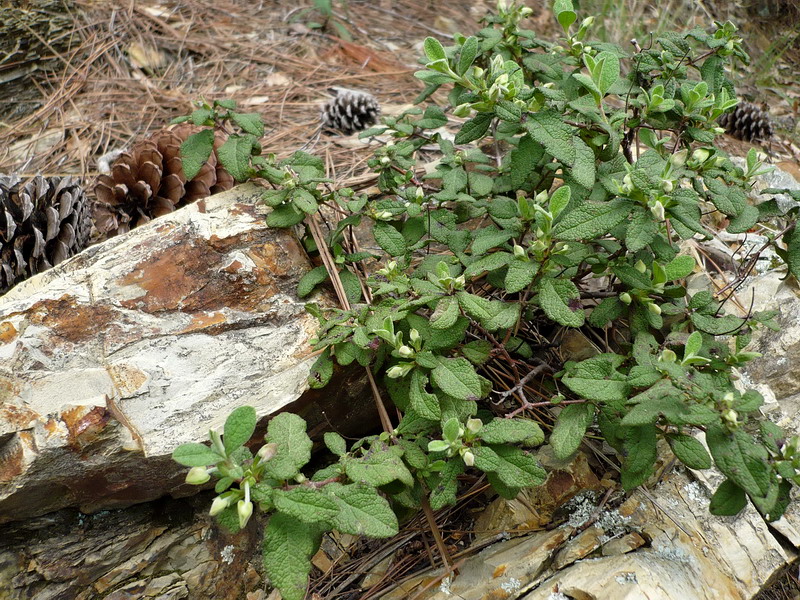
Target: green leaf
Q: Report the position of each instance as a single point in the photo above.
(239, 428)
(310, 280)
(738, 457)
(363, 511)
(610, 70)
(632, 277)
(679, 267)
(379, 467)
(556, 298)
(792, 241)
(590, 220)
(488, 238)
(689, 451)
(234, 155)
(469, 51)
(446, 313)
(195, 152)
(433, 49)
(474, 128)
(728, 500)
(605, 312)
(641, 230)
(285, 216)
(693, 344)
(249, 122)
(335, 443)
(640, 455)
(388, 238)
(195, 455)
(288, 546)
(425, 404)
(560, 199)
(351, 285)
(512, 431)
(305, 201)
(548, 128)
(288, 431)
(513, 466)
(321, 370)
(443, 492)
(520, 275)
(479, 184)
(309, 505)
(477, 352)
(595, 379)
(489, 262)
(570, 428)
(457, 378)
(564, 13)
(583, 172)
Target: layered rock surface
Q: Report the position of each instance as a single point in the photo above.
(146, 341)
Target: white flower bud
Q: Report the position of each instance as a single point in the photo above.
(519, 251)
(197, 476)
(245, 511)
(469, 458)
(654, 308)
(667, 185)
(640, 266)
(413, 335)
(395, 372)
(700, 155)
(625, 298)
(474, 425)
(658, 210)
(267, 451)
(679, 158)
(218, 505)
(405, 351)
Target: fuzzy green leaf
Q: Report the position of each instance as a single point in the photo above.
(583, 170)
(477, 352)
(590, 220)
(457, 378)
(288, 546)
(728, 500)
(335, 443)
(739, 458)
(363, 511)
(445, 314)
(488, 238)
(305, 201)
(379, 467)
(559, 298)
(469, 51)
(489, 262)
(425, 404)
(285, 216)
(195, 455)
(288, 431)
(548, 128)
(689, 451)
(443, 492)
(195, 152)
(239, 428)
(234, 155)
(310, 505)
(570, 428)
(679, 267)
(513, 466)
(641, 230)
(512, 431)
(388, 238)
(433, 49)
(610, 71)
(311, 280)
(474, 128)
(641, 453)
(520, 275)
(249, 122)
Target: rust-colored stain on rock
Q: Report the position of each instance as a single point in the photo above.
(12, 456)
(127, 379)
(7, 332)
(17, 417)
(70, 320)
(84, 424)
(204, 320)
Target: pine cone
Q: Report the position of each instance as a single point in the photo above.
(42, 222)
(148, 181)
(747, 122)
(350, 110)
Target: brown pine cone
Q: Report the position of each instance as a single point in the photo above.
(148, 181)
(747, 122)
(42, 222)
